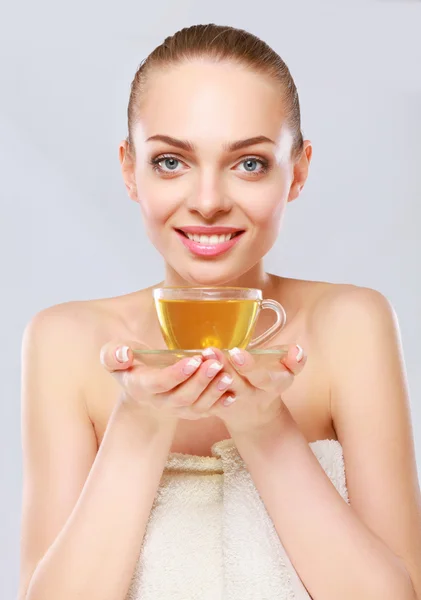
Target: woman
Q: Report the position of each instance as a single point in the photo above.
(215, 141)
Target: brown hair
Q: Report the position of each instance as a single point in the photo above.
(220, 43)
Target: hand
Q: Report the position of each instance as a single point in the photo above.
(166, 393)
(256, 392)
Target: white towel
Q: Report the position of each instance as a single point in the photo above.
(210, 537)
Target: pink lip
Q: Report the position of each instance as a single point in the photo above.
(208, 249)
(208, 230)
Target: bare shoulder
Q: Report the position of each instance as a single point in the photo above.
(66, 323)
(332, 319)
(355, 323)
(56, 327)
(71, 332)
(317, 312)
(315, 299)
(91, 319)
(345, 308)
(347, 294)
(336, 313)
(347, 322)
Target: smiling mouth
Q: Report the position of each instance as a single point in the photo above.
(210, 240)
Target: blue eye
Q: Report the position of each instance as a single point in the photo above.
(250, 161)
(166, 159)
(254, 160)
(171, 163)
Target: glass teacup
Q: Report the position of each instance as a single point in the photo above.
(223, 317)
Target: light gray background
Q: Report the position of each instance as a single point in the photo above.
(69, 231)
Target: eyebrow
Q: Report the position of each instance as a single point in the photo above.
(229, 147)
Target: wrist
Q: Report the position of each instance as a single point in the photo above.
(132, 432)
(278, 423)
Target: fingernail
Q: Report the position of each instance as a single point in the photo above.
(191, 366)
(122, 354)
(208, 352)
(300, 353)
(237, 356)
(214, 368)
(229, 400)
(224, 382)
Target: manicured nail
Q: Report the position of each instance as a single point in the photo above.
(300, 353)
(229, 400)
(214, 368)
(208, 353)
(224, 382)
(237, 356)
(191, 366)
(122, 354)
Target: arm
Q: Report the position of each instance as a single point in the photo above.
(84, 512)
(370, 549)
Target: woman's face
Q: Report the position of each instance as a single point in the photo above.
(197, 180)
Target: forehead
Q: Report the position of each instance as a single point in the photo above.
(206, 100)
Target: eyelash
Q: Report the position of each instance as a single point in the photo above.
(154, 162)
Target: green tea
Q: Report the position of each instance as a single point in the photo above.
(190, 324)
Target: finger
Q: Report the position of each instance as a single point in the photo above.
(264, 378)
(118, 359)
(295, 359)
(215, 353)
(211, 352)
(115, 356)
(120, 354)
(188, 393)
(161, 380)
(239, 382)
(222, 386)
(219, 355)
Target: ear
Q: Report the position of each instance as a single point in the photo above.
(301, 167)
(127, 162)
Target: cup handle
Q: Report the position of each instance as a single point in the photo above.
(281, 318)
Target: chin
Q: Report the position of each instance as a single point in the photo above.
(200, 275)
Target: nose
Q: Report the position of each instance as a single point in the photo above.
(209, 198)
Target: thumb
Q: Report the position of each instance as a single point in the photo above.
(117, 355)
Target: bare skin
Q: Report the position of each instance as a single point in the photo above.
(92, 465)
(131, 316)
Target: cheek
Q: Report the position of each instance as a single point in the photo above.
(265, 210)
(265, 204)
(155, 213)
(154, 209)
(157, 203)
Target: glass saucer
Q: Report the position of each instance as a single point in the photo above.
(164, 358)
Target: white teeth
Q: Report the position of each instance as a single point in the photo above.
(210, 240)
